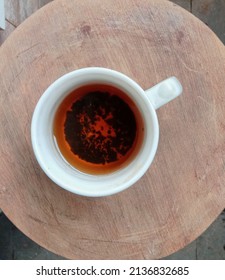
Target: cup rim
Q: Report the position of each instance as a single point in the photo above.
(39, 154)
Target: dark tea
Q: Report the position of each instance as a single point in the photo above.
(98, 129)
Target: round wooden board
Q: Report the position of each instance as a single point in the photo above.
(183, 191)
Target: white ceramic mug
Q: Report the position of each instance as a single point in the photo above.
(71, 179)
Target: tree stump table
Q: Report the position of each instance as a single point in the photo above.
(184, 190)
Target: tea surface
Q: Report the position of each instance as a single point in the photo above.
(97, 129)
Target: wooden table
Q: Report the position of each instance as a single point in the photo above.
(183, 191)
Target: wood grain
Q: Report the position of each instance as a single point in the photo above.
(182, 192)
(18, 11)
(4, 34)
(211, 12)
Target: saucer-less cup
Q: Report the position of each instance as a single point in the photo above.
(73, 180)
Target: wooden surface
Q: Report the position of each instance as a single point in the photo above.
(183, 191)
(212, 12)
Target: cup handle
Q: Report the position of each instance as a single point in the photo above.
(164, 92)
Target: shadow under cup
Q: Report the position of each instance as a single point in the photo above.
(78, 175)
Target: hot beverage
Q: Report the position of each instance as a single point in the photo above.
(98, 129)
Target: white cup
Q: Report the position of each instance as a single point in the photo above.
(68, 177)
